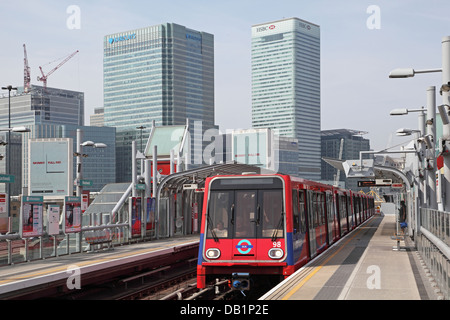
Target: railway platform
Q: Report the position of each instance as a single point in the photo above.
(39, 278)
(367, 264)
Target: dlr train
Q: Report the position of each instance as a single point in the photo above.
(265, 227)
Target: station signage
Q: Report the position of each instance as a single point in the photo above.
(31, 224)
(376, 183)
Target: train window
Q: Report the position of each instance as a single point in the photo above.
(296, 212)
(315, 209)
(301, 195)
(272, 219)
(321, 202)
(245, 214)
(219, 212)
(330, 211)
(342, 207)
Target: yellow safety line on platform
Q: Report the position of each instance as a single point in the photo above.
(316, 269)
(83, 264)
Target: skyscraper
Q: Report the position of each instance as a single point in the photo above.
(163, 73)
(286, 86)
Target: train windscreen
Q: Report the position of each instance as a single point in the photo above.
(246, 210)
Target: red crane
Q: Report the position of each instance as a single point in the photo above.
(45, 76)
(26, 71)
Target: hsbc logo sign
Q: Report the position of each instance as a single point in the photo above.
(265, 28)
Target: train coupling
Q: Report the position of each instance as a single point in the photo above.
(240, 281)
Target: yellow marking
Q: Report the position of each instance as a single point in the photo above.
(316, 269)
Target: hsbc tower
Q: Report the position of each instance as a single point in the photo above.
(286, 86)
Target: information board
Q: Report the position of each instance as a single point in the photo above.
(31, 217)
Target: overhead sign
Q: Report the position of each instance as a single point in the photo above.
(383, 182)
(377, 183)
(7, 178)
(190, 186)
(86, 183)
(366, 183)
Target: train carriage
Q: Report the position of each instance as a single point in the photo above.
(268, 226)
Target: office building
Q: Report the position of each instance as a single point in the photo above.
(351, 142)
(286, 86)
(40, 106)
(43, 106)
(97, 119)
(163, 73)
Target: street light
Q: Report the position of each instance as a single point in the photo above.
(141, 128)
(79, 154)
(406, 132)
(445, 93)
(401, 112)
(93, 144)
(8, 165)
(409, 72)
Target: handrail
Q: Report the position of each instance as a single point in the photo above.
(122, 200)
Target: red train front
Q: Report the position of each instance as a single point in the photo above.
(244, 229)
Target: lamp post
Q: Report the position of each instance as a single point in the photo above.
(79, 154)
(445, 92)
(141, 128)
(8, 147)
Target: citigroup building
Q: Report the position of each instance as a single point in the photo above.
(162, 73)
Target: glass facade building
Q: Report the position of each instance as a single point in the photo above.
(286, 86)
(352, 143)
(163, 73)
(43, 106)
(39, 107)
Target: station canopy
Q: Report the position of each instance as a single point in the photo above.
(198, 176)
(167, 138)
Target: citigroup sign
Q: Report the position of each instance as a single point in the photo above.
(122, 38)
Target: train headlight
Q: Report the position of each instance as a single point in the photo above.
(213, 253)
(276, 253)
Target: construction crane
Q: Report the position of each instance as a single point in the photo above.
(45, 76)
(26, 71)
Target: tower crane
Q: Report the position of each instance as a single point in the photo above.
(45, 76)
(26, 71)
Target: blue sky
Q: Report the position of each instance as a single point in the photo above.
(356, 92)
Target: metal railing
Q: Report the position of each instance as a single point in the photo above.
(99, 230)
(433, 244)
(14, 249)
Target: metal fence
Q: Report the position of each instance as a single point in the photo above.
(99, 231)
(433, 244)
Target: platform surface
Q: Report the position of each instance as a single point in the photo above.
(364, 265)
(40, 272)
